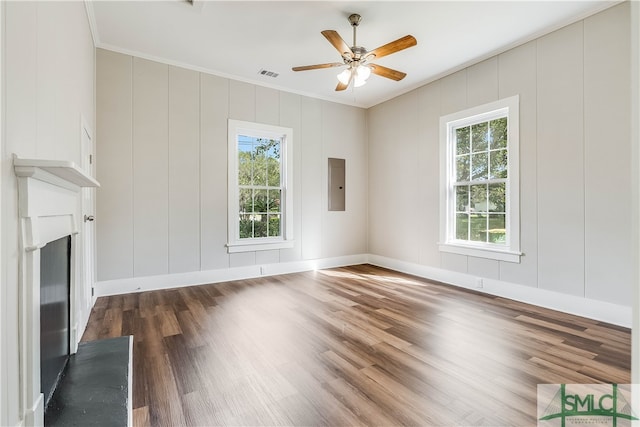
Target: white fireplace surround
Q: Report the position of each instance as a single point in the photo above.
(49, 207)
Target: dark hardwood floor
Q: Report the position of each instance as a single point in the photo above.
(350, 346)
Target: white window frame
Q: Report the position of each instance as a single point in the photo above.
(259, 130)
(510, 251)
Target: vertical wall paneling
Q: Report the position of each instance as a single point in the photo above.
(214, 110)
(290, 105)
(150, 172)
(429, 173)
(310, 147)
(607, 153)
(482, 82)
(267, 105)
(20, 51)
(574, 177)
(114, 153)
(453, 92)
(453, 97)
(242, 101)
(242, 259)
(394, 191)
(342, 231)
(517, 72)
(48, 88)
(483, 267)
(184, 170)
(453, 262)
(482, 87)
(267, 257)
(20, 137)
(561, 161)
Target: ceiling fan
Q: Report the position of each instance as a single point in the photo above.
(357, 58)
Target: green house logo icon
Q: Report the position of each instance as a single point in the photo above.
(585, 404)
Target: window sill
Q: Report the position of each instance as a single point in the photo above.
(490, 253)
(258, 246)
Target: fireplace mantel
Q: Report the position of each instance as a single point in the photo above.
(49, 207)
(57, 172)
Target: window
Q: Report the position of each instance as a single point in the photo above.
(260, 187)
(479, 165)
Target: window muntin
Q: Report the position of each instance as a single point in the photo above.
(480, 196)
(260, 187)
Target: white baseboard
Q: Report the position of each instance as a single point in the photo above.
(149, 283)
(592, 309)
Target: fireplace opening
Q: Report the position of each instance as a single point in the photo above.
(55, 287)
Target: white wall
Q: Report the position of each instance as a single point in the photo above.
(3, 308)
(49, 83)
(574, 162)
(162, 163)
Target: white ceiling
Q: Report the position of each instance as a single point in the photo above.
(237, 39)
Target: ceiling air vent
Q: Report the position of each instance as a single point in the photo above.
(268, 73)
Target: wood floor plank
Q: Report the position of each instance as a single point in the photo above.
(350, 346)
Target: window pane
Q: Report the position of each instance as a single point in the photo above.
(273, 172)
(462, 226)
(259, 163)
(497, 197)
(246, 226)
(497, 228)
(245, 200)
(479, 166)
(244, 160)
(498, 133)
(479, 137)
(273, 201)
(260, 225)
(462, 168)
(462, 140)
(462, 198)
(498, 163)
(260, 201)
(274, 225)
(479, 198)
(478, 228)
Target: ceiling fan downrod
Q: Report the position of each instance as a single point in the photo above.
(354, 20)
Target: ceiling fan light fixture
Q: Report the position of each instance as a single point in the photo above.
(363, 72)
(358, 82)
(345, 76)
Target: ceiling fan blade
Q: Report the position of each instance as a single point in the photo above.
(337, 42)
(343, 86)
(393, 47)
(387, 72)
(318, 66)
